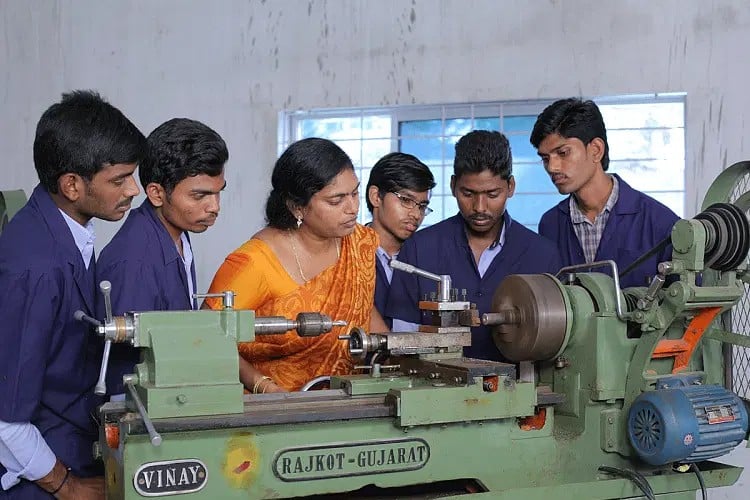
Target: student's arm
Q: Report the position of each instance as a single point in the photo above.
(29, 303)
(377, 324)
(252, 379)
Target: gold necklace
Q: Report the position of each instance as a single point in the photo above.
(296, 256)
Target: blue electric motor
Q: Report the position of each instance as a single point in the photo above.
(684, 422)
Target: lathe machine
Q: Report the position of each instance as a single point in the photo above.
(606, 393)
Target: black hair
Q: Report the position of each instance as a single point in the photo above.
(181, 148)
(572, 118)
(82, 134)
(397, 171)
(482, 150)
(306, 167)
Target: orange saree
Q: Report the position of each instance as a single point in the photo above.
(344, 291)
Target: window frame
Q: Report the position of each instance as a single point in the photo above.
(289, 122)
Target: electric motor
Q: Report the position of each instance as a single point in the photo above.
(682, 421)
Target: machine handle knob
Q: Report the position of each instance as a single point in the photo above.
(82, 316)
(154, 436)
(106, 288)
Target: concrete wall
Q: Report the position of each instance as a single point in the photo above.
(236, 64)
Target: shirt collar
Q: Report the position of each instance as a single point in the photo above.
(577, 216)
(83, 236)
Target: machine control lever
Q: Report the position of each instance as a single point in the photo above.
(227, 297)
(101, 384)
(444, 280)
(154, 437)
(656, 284)
(82, 316)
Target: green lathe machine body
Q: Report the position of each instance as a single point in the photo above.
(607, 393)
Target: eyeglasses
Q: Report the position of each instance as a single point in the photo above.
(411, 203)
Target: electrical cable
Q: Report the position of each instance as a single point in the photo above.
(698, 473)
(634, 476)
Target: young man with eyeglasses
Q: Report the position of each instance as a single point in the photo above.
(478, 247)
(398, 195)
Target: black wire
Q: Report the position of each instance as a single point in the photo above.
(634, 476)
(698, 473)
(637, 262)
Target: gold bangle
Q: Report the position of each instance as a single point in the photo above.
(256, 386)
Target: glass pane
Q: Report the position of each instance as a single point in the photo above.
(487, 123)
(522, 149)
(330, 128)
(376, 126)
(458, 127)
(532, 178)
(521, 123)
(373, 150)
(450, 206)
(661, 175)
(363, 174)
(429, 151)
(436, 204)
(529, 208)
(419, 128)
(353, 149)
(647, 144)
(662, 114)
(675, 201)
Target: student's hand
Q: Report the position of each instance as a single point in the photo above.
(82, 488)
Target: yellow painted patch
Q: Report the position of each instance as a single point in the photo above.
(241, 461)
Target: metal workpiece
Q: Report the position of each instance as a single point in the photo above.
(444, 293)
(504, 317)
(362, 343)
(531, 318)
(307, 324)
(405, 343)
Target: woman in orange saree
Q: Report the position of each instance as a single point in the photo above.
(312, 256)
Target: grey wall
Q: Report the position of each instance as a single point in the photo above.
(236, 64)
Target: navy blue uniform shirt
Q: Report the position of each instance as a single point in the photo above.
(444, 249)
(382, 286)
(147, 274)
(636, 224)
(49, 362)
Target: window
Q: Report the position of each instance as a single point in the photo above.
(646, 136)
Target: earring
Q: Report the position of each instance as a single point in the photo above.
(299, 221)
